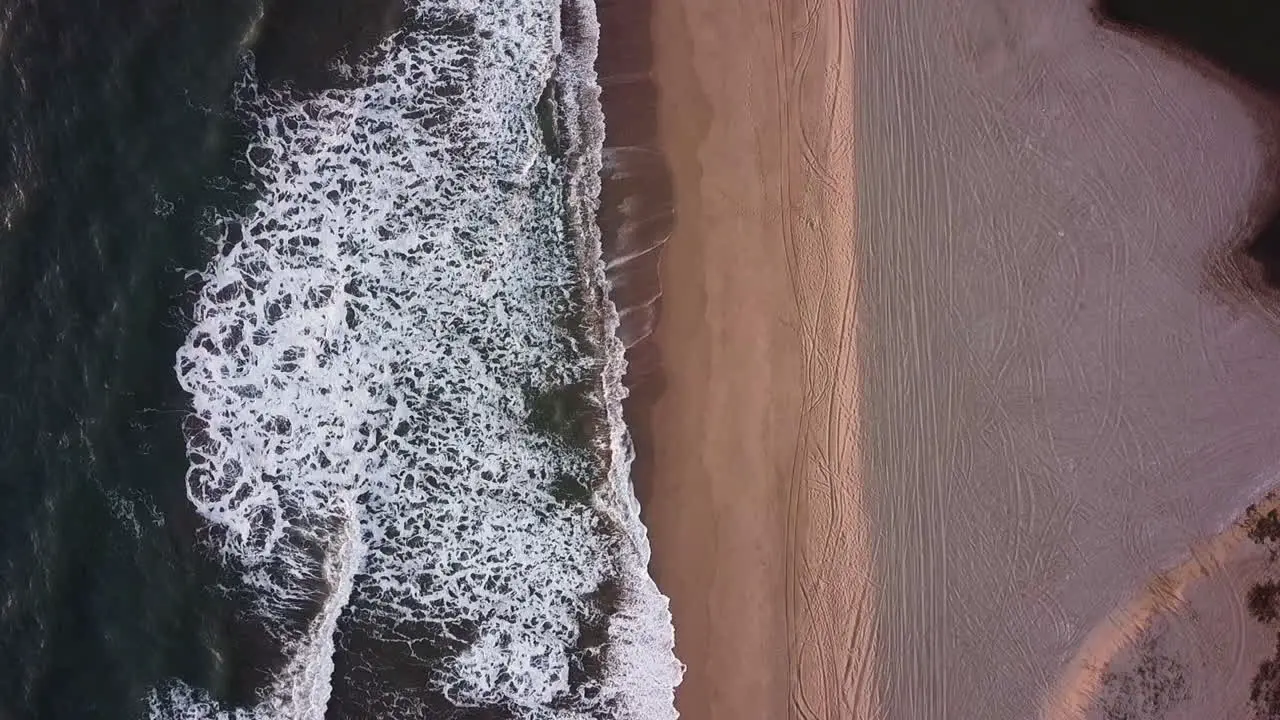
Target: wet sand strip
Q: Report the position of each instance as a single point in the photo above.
(744, 397)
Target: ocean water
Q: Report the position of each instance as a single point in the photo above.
(314, 402)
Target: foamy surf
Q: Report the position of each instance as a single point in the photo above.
(383, 356)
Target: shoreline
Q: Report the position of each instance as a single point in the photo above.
(636, 213)
(978, 435)
(635, 653)
(743, 400)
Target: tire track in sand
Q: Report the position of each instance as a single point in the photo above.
(830, 603)
(1081, 679)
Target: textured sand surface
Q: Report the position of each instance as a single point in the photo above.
(754, 504)
(918, 465)
(1059, 401)
(1183, 647)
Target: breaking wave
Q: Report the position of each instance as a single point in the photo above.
(406, 383)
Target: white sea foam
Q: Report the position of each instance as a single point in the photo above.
(643, 668)
(367, 350)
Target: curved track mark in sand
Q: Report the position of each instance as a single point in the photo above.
(830, 603)
(1080, 681)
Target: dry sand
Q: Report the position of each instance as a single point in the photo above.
(1058, 402)
(910, 460)
(751, 496)
(1183, 647)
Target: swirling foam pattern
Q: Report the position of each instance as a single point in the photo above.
(366, 350)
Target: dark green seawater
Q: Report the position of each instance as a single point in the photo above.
(118, 142)
(309, 398)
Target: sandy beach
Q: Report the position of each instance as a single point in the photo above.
(749, 455)
(1183, 646)
(906, 444)
(1060, 403)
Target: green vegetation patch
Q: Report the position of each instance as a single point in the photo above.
(1149, 690)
